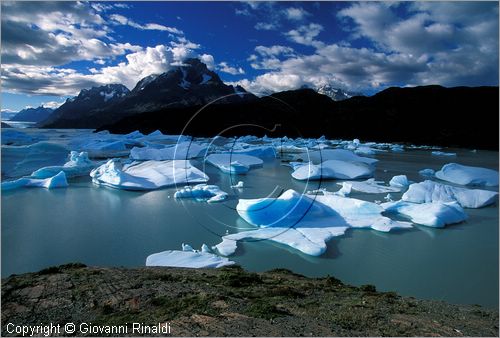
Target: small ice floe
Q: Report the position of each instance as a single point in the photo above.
(238, 185)
(188, 258)
(371, 186)
(306, 222)
(434, 214)
(262, 152)
(397, 148)
(466, 175)
(442, 153)
(97, 148)
(148, 175)
(333, 169)
(202, 192)
(429, 191)
(78, 165)
(427, 172)
(57, 181)
(19, 138)
(234, 163)
(333, 154)
(388, 198)
(345, 190)
(180, 151)
(399, 181)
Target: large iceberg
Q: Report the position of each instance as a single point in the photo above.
(78, 165)
(333, 169)
(434, 214)
(147, 175)
(180, 151)
(234, 163)
(188, 258)
(429, 191)
(57, 181)
(466, 175)
(202, 192)
(306, 222)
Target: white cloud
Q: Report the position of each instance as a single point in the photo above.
(208, 60)
(52, 104)
(226, 68)
(296, 13)
(306, 34)
(122, 20)
(263, 26)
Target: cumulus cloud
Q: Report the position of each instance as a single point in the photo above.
(52, 104)
(417, 43)
(226, 68)
(296, 13)
(55, 33)
(47, 80)
(208, 60)
(306, 34)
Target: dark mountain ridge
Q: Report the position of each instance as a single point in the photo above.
(459, 116)
(32, 114)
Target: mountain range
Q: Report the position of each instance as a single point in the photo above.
(178, 102)
(30, 114)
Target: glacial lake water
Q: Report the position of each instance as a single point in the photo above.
(107, 227)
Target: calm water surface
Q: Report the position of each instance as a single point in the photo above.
(107, 227)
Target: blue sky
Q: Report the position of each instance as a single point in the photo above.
(52, 50)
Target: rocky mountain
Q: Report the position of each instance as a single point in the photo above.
(77, 108)
(432, 115)
(7, 114)
(32, 114)
(335, 94)
(191, 84)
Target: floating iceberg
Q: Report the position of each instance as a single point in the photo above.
(306, 222)
(188, 258)
(466, 175)
(442, 153)
(98, 148)
(397, 148)
(371, 186)
(238, 185)
(334, 154)
(333, 169)
(263, 152)
(78, 165)
(234, 163)
(180, 151)
(427, 172)
(434, 214)
(429, 191)
(146, 175)
(20, 161)
(399, 181)
(57, 181)
(19, 138)
(202, 192)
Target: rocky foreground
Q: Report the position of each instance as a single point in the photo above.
(227, 302)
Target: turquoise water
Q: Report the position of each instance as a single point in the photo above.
(107, 227)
